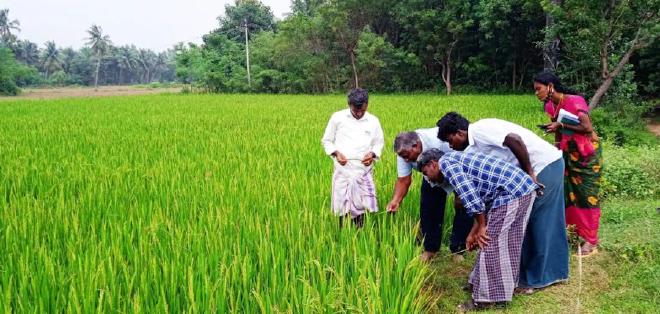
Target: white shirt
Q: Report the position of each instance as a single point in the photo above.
(429, 139)
(352, 137)
(487, 136)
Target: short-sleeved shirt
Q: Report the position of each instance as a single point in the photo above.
(487, 136)
(429, 139)
(483, 182)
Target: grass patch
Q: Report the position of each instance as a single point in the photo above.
(624, 277)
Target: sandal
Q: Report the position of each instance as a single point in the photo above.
(524, 291)
(586, 253)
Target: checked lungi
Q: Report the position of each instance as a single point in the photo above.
(496, 270)
(353, 190)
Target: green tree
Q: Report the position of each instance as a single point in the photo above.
(224, 64)
(67, 55)
(126, 62)
(189, 63)
(435, 28)
(8, 72)
(27, 52)
(100, 45)
(83, 67)
(257, 16)
(50, 58)
(7, 26)
(511, 29)
(384, 67)
(302, 51)
(612, 30)
(146, 59)
(306, 7)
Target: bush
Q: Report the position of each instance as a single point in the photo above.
(8, 72)
(58, 78)
(623, 129)
(631, 171)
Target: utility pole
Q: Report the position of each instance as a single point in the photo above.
(247, 53)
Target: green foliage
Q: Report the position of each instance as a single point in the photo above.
(598, 34)
(9, 72)
(620, 121)
(224, 65)
(647, 70)
(383, 67)
(631, 238)
(116, 65)
(257, 15)
(631, 171)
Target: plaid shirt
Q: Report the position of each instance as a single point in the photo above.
(483, 182)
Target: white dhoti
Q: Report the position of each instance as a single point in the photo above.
(353, 190)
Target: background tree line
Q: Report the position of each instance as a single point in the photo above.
(25, 63)
(606, 49)
(440, 45)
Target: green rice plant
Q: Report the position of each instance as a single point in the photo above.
(206, 203)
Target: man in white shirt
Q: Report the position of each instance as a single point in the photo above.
(408, 146)
(354, 138)
(544, 259)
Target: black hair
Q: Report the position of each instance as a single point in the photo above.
(358, 97)
(547, 77)
(450, 123)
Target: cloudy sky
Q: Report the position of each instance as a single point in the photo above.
(154, 24)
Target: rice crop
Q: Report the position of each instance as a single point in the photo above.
(206, 203)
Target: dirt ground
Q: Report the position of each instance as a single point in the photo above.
(66, 92)
(654, 127)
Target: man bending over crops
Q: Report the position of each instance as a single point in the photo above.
(354, 140)
(408, 146)
(544, 259)
(499, 196)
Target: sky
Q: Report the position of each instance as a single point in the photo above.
(153, 24)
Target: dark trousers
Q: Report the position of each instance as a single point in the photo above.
(432, 216)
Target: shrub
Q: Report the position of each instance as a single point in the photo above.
(631, 171)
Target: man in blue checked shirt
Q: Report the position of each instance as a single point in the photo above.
(499, 196)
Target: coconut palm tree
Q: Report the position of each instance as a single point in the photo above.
(50, 59)
(100, 45)
(146, 58)
(6, 27)
(126, 60)
(68, 55)
(27, 52)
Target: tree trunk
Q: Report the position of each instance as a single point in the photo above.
(521, 77)
(607, 82)
(96, 76)
(446, 67)
(355, 74)
(513, 75)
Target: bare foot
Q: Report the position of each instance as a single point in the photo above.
(427, 256)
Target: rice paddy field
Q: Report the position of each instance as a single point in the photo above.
(206, 203)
